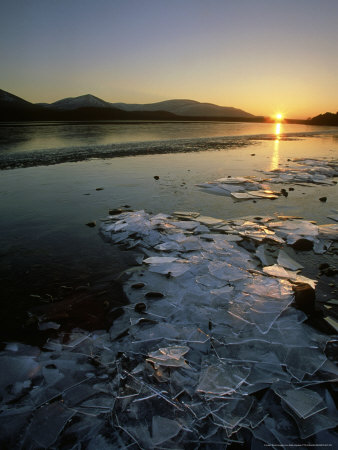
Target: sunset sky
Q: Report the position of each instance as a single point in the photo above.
(263, 56)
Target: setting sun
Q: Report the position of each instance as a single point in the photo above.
(279, 116)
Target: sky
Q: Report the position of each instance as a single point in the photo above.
(262, 56)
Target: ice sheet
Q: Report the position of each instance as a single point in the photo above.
(208, 349)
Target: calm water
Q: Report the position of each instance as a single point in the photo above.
(28, 137)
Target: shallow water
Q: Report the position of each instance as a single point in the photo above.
(30, 137)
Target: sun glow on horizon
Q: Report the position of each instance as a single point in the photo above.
(278, 117)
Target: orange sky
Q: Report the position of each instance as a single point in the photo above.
(261, 56)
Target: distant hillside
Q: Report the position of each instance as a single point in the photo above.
(325, 119)
(186, 108)
(89, 107)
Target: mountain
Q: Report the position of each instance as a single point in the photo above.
(179, 107)
(11, 101)
(186, 108)
(89, 107)
(84, 101)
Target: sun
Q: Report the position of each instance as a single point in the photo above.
(279, 116)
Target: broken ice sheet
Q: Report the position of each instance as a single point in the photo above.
(209, 221)
(243, 320)
(47, 424)
(168, 246)
(164, 429)
(227, 272)
(186, 214)
(243, 196)
(266, 287)
(159, 260)
(287, 262)
(293, 230)
(267, 373)
(323, 420)
(266, 193)
(211, 281)
(301, 401)
(254, 351)
(233, 412)
(264, 255)
(279, 271)
(304, 360)
(173, 269)
(169, 356)
(222, 379)
(77, 394)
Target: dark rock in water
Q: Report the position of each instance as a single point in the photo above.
(156, 177)
(140, 307)
(91, 224)
(138, 285)
(291, 189)
(284, 192)
(154, 295)
(323, 199)
(115, 212)
(305, 298)
(100, 189)
(303, 245)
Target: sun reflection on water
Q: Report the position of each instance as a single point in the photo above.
(275, 156)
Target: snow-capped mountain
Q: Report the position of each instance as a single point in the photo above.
(180, 107)
(84, 101)
(186, 108)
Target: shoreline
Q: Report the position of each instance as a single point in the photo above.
(34, 159)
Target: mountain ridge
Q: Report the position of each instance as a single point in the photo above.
(180, 107)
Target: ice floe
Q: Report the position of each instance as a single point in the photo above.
(303, 171)
(209, 351)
